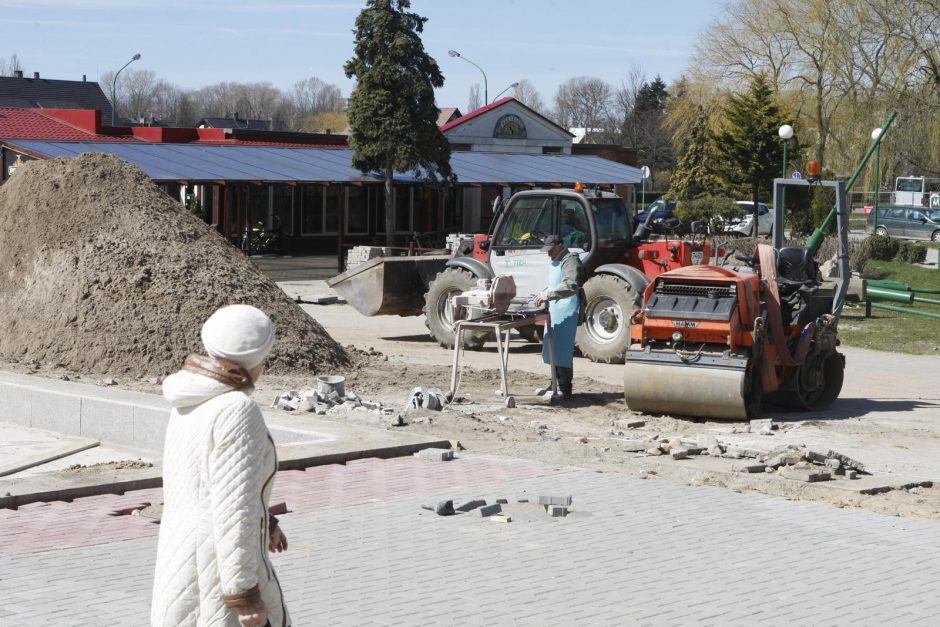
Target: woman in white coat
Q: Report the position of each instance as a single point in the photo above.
(219, 463)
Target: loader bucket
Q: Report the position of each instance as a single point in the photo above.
(385, 286)
(660, 386)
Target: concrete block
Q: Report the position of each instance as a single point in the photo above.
(14, 404)
(654, 451)
(809, 475)
(555, 500)
(633, 446)
(816, 457)
(833, 463)
(625, 423)
(679, 453)
(150, 427)
(749, 468)
(737, 452)
(489, 510)
(503, 501)
(436, 454)
(557, 511)
(851, 474)
(107, 421)
(55, 411)
(762, 426)
(789, 458)
(471, 505)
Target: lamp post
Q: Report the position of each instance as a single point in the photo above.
(513, 86)
(875, 134)
(786, 133)
(114, 84)
(486, 96)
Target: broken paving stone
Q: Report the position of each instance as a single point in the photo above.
(790, 458)
(846, 460)
(501, 518)
(679, 453)
(442, 508)
(625, 423)
(471, 505)
(633, 446)
(736, 452)
(748, 468)
(831, 462)
(809, 475)
(654, 451)
(763, 426)
(557, 511)
(535, 424)
(489, 510)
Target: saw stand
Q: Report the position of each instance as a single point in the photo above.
(501, 324)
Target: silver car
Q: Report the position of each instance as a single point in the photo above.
(745, 226)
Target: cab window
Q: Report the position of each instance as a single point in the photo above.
(612, 221)
(574, 229)
(527, 222)
(895, 214)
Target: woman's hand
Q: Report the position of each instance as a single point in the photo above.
(254, 615)
(277, 542)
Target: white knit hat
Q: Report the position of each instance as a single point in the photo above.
(241, 333)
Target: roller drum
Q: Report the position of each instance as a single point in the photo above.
(708, 392)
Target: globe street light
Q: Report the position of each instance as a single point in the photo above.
(785, 132)
(876, 134)
(513, 86)
(454, 53)
(114, 83)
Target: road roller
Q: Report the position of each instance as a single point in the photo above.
(724, 339)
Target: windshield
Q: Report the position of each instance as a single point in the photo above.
(910, 185)
(933, 214)
(613, 220)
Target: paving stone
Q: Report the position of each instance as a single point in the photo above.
(679, 453)
(790, 458)
(749, 468)
(632, 446)
(441, 508)
(846, 460)
(436, 454)
(557, 511)
(489, 510)
(555, 500)
(808, 475)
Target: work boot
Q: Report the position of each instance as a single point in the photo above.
(564, 376)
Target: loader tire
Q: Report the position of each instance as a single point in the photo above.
(605, 334)
(439, 315)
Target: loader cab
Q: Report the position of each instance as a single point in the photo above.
(594, 225)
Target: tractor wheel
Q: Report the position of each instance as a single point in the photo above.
(605, 334)
(882, 231)
(532, 333)
(439, 313)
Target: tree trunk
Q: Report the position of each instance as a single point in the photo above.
(389, 206)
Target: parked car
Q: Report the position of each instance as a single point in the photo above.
(661, 209)
(906, 222)
(745, 225)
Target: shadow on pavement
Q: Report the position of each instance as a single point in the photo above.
(845, 408)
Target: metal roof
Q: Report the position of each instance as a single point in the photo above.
(164, 162)
(48, 93)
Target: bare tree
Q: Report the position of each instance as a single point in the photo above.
(7, 68)
(526, 93)
(473, 102)
(584, 102)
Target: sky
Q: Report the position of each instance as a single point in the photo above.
(197, 43)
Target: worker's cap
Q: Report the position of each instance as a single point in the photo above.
(240, 333)
(550, 242)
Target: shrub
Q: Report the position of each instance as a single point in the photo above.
(708, 210)
(883, 247)
(912, 253)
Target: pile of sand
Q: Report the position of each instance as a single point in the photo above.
(100, 272)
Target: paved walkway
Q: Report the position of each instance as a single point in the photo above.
(633, 552)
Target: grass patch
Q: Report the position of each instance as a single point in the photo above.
(893, 331)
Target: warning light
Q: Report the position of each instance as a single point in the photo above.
(813, 171)
(579, 186)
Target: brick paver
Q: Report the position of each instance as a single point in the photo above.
(634, 552)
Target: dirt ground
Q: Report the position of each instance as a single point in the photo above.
(891, 431)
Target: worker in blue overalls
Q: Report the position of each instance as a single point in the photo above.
(565, 276)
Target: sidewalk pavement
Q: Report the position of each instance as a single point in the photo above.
(632, 552)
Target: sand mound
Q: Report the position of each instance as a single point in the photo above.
(100, 272)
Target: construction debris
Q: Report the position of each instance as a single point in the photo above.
(435, 454)
(430, 398)
(327, 399)
(442, 508)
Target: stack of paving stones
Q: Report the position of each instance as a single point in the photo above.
(500, 509)
(313, 400)
(361, 254)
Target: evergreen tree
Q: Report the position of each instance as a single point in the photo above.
(652, 96)
(696, 172)
(392, 114)
(750, 148)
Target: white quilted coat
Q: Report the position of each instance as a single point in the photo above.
(218, 468)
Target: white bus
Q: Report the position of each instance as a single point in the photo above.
(914, 190)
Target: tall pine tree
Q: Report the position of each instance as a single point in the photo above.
(750, 147)
(696, 172)
(392, 113)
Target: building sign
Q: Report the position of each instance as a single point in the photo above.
(510, 126)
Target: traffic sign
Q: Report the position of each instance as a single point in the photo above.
(797, 175)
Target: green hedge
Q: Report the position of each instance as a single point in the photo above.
(912, 252)
(883, 248)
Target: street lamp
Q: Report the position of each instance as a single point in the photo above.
(785, 132)
(513, 86)
(876, 134)
(114, 83)
(486, 97)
